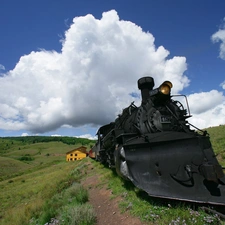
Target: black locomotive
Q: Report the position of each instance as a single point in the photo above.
(154, 147)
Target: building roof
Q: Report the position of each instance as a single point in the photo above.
(81, 148)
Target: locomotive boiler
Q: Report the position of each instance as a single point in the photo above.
(155, 147)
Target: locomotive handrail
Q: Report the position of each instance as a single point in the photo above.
(203, 131)
(183, 125)
(186, 102)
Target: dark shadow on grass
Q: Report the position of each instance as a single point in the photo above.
(172, 203)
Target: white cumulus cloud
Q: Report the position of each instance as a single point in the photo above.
(219, 36)
(2, 67)
(223, 85)
(94, 77)
(88, 136)
(89, 81)
(207, 108)
(204, 101)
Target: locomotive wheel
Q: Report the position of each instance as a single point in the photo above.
(120, 162)
(101, 157)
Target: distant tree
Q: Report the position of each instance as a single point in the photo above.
(26, 157)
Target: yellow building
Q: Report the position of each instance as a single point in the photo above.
(76, 154)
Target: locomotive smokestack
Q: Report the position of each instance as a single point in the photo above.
(145, 84)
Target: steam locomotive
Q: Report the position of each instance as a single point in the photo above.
(154, 146)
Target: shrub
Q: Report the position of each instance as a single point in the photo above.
(66, 202)
(26, 157)
(78, 215)
(78, 193)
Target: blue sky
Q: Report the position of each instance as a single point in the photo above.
(42, 49)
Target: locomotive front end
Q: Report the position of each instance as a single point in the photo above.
(154, 147)
(166, 158)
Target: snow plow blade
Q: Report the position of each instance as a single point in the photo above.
(182, 168)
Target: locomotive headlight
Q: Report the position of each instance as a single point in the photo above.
(165, 87)
(162, 92)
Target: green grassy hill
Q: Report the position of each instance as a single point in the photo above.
(11, 167)
(19, 155)
(32, 170)
(217, 138)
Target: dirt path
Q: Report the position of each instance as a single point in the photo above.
(106, 208)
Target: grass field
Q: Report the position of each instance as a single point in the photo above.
(30, 174)
(35, 178)
(217, 137)
(17, 158)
